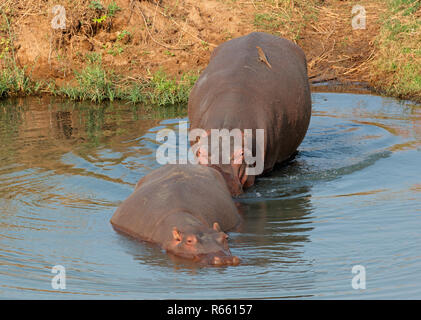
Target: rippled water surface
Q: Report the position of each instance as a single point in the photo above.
(351, 197)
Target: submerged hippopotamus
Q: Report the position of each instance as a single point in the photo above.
(258, 81)
(184, 208)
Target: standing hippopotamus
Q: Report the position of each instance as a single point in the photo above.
(258, 81)
(185, 209)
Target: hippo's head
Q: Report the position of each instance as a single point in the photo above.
(209, 246)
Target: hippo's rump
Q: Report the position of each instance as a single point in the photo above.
(238, 90)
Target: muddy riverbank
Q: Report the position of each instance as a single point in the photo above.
(133, 50)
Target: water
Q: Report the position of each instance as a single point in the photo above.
(351, 197)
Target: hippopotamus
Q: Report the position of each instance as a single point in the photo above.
(184, 208)
(257, 81)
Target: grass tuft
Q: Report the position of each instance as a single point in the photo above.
(398, 61)
(93, 83)
(96, 84)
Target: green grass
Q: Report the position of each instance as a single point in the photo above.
(104, 13)
(93, 83)
(163, 90)
(13, 79)
(160, 90)
(14, 82)
(112, 9)
(96, 5)
(267, 21)
(407, 6)
(97, 84)
(398, 60)
(119, 46)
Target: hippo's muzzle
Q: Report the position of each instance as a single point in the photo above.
(219, 259)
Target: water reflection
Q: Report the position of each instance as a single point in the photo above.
(279, 227)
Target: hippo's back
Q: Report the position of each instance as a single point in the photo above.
(198, 190)
(239, 90)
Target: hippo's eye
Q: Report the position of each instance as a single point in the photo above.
(191, 240)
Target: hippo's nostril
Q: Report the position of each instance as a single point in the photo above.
(235, 261)
(226, 260)
(217, 260)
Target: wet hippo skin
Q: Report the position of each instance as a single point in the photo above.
(258, 81)
(184, 208)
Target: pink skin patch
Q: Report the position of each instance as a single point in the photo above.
(233, 173)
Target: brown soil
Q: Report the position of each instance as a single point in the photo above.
(179, 36)
(336, 51)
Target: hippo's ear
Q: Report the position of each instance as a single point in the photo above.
(216, 227)
(176, 234)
